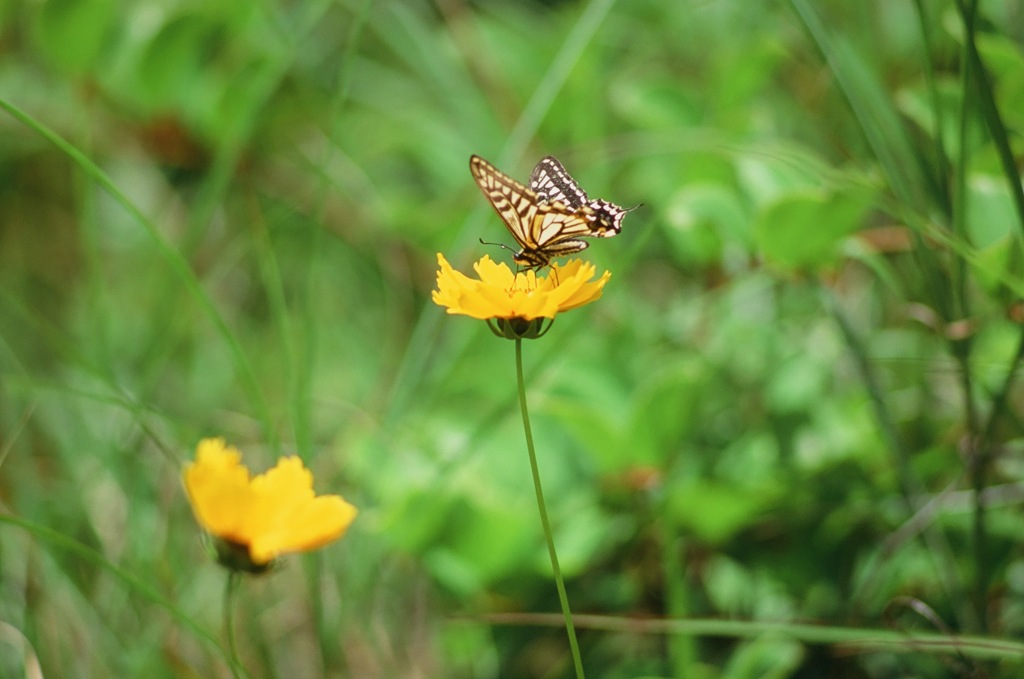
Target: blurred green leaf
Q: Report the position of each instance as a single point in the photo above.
(990, 214)
(712, 443)
(702, 219)
(991, 226)
(74, 33)
(804, 229)
(175, 60)
(713, 511)
(767, 657)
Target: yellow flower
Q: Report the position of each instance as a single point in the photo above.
(500, 294)
(261, 517)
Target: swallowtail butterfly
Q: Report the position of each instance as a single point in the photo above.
(549, 217)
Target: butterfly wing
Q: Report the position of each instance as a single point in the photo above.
(544, 230)
(607, 217)
(552, 182)
(550, 226)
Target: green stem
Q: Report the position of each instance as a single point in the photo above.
(986, 100)
(559, 583)
(843, 641)
(681, 650)
(230, 589)
(977, 465)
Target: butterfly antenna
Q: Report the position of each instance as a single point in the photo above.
(500, 245)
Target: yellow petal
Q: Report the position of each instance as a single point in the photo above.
(585, 291)
(492, 273)
(304, 526)
(218, 488)
(272, 513)
(499, 293)
(290, 517)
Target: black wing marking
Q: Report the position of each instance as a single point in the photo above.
(543, 230)
(550, 227)
(552, 182)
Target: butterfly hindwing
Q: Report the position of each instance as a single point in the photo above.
(551, 181)
(608, 217)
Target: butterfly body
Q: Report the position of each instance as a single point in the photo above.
(549, 217)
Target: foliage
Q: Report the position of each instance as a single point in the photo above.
(796, 400)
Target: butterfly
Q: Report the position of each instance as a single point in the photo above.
(549, 217)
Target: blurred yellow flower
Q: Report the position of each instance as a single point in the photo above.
(263, 516)
(499, 293)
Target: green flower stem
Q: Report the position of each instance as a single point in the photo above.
(230, 590)
(559, 583)
(843, 641)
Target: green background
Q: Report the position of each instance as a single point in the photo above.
(796, 401)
